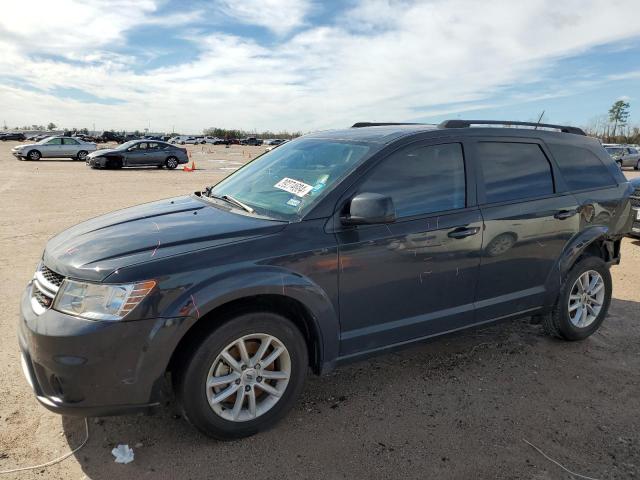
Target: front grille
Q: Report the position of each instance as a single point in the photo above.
(53, 277)
(46, 284)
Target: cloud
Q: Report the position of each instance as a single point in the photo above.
(279, 16)
(381, 61)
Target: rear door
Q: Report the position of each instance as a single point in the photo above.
(69, 147)
(155, 155)
(528, 221)
(415, 277)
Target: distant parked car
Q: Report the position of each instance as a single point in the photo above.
(625, 156)
(251, 141)
(55, 147)
(276, 141)
(111, 137)
(184, 139)
(635, 208)
(272, 146)
(12, 136)
(138, 153)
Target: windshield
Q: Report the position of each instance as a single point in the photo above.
(126, 145)
(287, 181)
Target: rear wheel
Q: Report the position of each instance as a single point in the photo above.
(583, 302)
(244, 376)
(34, 155)
(171, 163)
(82, 155)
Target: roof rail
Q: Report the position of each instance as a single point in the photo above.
(468, 123)
(382, 124)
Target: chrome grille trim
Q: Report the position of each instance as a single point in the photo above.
(45, 286)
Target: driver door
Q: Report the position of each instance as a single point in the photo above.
(414, 277)
(136, 155)
(52, 149)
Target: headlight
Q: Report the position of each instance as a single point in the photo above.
(100, 301)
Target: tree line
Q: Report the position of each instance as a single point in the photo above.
(614, 127)
(236, 133)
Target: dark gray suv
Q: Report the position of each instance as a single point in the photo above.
(332, 247)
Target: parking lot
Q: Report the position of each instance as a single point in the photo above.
(459, 407)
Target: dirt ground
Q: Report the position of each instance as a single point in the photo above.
(458, 407)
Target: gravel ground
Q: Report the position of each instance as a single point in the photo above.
(458, 407)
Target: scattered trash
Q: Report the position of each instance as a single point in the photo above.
(123, 454)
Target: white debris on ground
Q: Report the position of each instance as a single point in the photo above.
(123, 454)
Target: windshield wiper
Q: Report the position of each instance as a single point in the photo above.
(233, 201)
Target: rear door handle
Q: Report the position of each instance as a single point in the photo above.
(463, 232)
(564, 214)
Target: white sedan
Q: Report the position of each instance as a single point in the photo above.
(55, 147)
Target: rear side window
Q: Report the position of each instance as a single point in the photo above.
(514, 171)
(421, 180)
(581, 168)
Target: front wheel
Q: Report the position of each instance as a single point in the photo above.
(34, 155)
(583, 301)
(244, 376)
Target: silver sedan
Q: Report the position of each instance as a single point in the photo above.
(55, 147)
(139, 153)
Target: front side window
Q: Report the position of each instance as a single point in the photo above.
(287, 181)
(421, 180)
(514, 171)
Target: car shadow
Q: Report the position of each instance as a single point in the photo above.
(456, 407)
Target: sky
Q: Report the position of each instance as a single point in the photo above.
(305, 65)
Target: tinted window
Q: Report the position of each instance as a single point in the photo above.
(581, 168)
(421, 180)
(514, 171)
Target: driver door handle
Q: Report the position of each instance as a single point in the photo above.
(463, 232)
(564, 214)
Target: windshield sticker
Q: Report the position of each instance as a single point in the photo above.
(294, 202)
(290, 185)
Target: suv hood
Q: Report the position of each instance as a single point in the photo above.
(94, 249)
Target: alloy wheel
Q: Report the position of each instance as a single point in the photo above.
(248, 378)
(586, 299)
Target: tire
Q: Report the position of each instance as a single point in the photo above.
(171, 163)
(216, 419)
(619, 162)
(34, 155)
(560, 322)
(82, 155)
(637, 167)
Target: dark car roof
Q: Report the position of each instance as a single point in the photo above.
(384, 134)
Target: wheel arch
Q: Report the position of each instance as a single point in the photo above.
(594, 241)
(286, 293)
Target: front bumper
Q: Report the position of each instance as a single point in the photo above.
(93, 368)
(17, 154)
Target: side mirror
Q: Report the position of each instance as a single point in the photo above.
(370, 208)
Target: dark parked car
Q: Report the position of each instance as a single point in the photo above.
(111, 137)
(12, 136)
(635, 208)
(253, 141)
(330, 248)
(139, 153)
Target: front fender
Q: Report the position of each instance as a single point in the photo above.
(205, 296)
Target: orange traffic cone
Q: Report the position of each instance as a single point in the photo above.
(188, 168)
